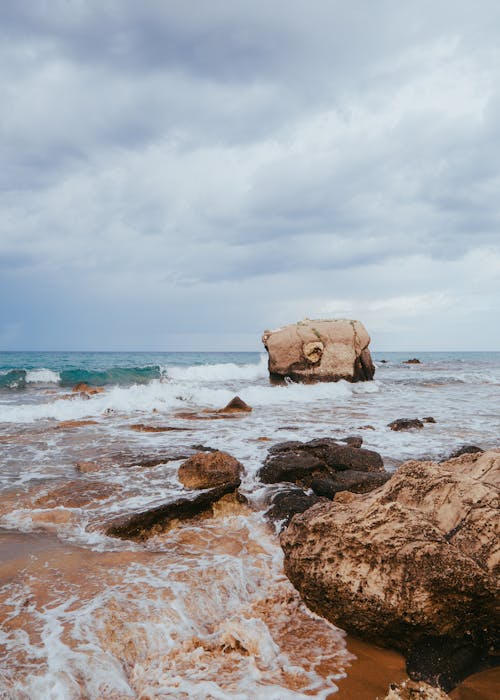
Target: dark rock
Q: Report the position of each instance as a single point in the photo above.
(428, 419)
(350, 480)
(413, 361)
(203, 448)
(141, 525)
(463, 450)
(445, 662)
(236, 405)
(300, 462)
(207, 469)
(405, 424)
(290, 466)
(366, 427)
(286, 504)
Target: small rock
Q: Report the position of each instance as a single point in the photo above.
(236, 405)
(413, 361)
(366, 427)
(208, 469)
(83, 388)
(405, 424)
(428, 419)
(409, 690)
(286, 504)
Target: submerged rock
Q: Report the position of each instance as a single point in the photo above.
(413, 361)
(414, 565)
(207, 469)
(406, 424)
(83, 388)
(463, 450)
(319, 351)
(139, 526)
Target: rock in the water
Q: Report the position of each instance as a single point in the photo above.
(286, 504)
(319, 351)
(417, 559)
(236, 405)
(300, 462)
(428, 419)
(463, 450)
(413, 361)
(141, 525)
(406, 424)
(207, 469)
(353, 440)
(83, 388)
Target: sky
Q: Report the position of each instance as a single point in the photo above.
(184, 175)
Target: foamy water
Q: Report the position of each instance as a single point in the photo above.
(204, 610)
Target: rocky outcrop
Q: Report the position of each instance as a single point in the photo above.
(301, 462)
(319, 351)
(208, 469)
(413, 565)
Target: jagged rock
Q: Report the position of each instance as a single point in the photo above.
(319, 351)
(406, 424)
(300, 462)
(413, 361)
(207, 469)
(236, 405)
(141, 525)
(287, 503)
(416, 560)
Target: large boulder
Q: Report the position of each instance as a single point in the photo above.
(319, 351)
(205, 470)
(413, 565)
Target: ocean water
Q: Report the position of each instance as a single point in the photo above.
(204, 610)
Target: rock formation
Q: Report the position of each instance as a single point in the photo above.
(413, 565)
(208, 469)
(319, 351)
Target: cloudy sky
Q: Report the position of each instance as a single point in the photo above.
(183, 175)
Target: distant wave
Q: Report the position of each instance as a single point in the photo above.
(121, 376)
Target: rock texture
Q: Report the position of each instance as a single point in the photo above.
(236, 405)
(208, 469)
(409, 690)
(323, 458)
(139, 526)
(414, 565)
(406, 424)
(285, 504)
(319, 351)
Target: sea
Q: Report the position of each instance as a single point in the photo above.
(203, 610)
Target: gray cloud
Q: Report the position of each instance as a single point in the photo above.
(228, 166)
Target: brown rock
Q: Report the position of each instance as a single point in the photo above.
(142, 428)
(69, 424)
(83, 388)
(319, 351)
(236, 405)
(207, 469)
(413, 361)
(414, 565)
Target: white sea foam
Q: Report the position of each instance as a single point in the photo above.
(42, 376)
(222, 372)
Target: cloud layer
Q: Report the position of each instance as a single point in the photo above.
(184, 175)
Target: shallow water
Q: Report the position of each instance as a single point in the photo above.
(203, 610)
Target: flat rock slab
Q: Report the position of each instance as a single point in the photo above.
(142, 525)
